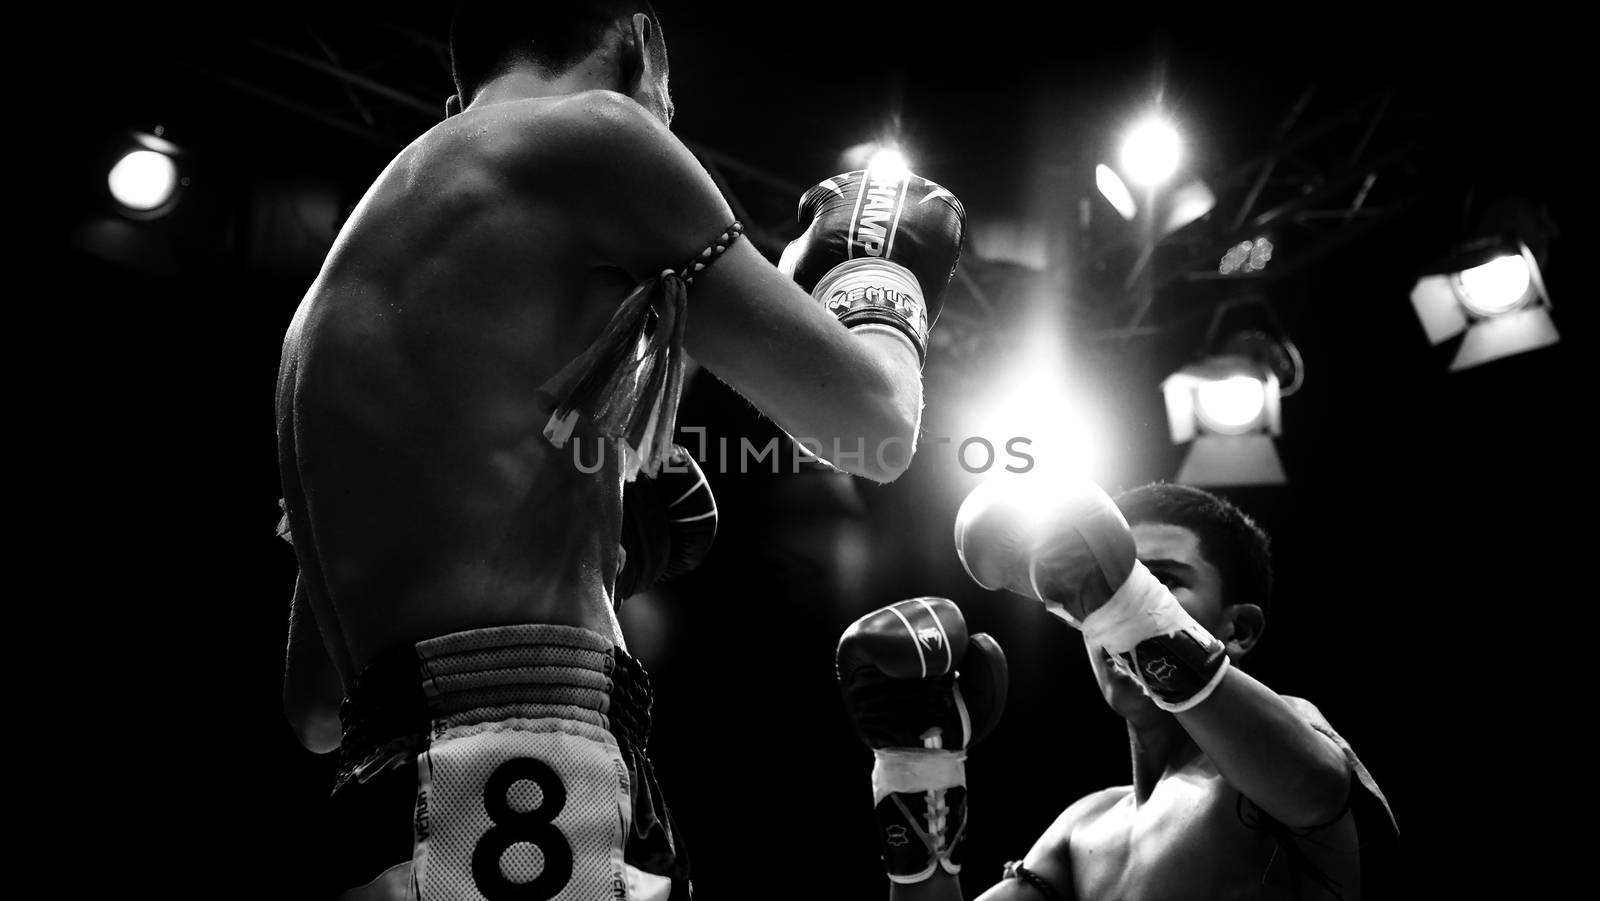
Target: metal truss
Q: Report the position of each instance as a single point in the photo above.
(1323, 182)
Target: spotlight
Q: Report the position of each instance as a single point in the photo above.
(1027, 413)
(1150, 157)
(1113, 190)
(884, 155)
(1150, 152)
(1228, 406)
(888, 163)
(1231, 405)
(137, 222)
(1491, 289)
(1246, 257)
(145, 181)
(1185, 204)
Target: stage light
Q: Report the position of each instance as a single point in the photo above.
(146, 181)
(1227, 408)
(1231, 405)
(1246, 257)
(1490, 289)
(1150, 152)
(888, 163)
(1185, 204)
(1113, 190)
(882, 155)
(1150, 156)
(1030, 412)
(143, 180)
(1496, 287)
(136, 222)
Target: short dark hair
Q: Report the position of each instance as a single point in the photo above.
(1230, 540)
(554, 35)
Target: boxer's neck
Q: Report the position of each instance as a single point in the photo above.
(1157, 746)
(526, 82)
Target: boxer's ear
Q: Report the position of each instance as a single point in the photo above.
(1242, 625)
(636, 68)
(452, 105)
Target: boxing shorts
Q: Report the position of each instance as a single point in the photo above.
(503, 763)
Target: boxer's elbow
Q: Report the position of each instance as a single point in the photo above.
(320, 736)
(1322, 795)
(317, 726)
(1332, 787)
(866, 424)
(899, 443)
(889, 441)
(891, 412)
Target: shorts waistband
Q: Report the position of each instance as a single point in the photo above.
(529, 671)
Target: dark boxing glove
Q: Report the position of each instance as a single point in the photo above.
(878, 250)
(669, 521)
(919, 691)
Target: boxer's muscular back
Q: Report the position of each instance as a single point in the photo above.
(422, 495)
(1192, 838)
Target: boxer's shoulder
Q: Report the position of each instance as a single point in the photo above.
(595, 155)
(1079, 826)
(1086, 812)
(537, 137)
(594, 128)
(603, 114)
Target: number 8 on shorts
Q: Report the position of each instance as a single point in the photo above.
(521, 810)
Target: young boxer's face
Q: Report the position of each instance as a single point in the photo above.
(1172, 554)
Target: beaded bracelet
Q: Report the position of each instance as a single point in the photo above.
(715, 249)
(1015, 870)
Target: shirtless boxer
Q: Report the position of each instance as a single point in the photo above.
(1237, 792)
(492, 351)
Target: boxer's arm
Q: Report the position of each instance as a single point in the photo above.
(651, 205)
(1269, 752)
(852, 397)
(1087, 573)
(1016, 890)
(312, 689)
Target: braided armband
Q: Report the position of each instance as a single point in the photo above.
(627, 384)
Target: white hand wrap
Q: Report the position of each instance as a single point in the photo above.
(874, 291)
(1141, 610)
(896, 770)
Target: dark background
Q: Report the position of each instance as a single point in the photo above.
(1423, 598)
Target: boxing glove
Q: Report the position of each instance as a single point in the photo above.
(669, 522)
(879, 250)
(920, 691)
(1071, 549)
